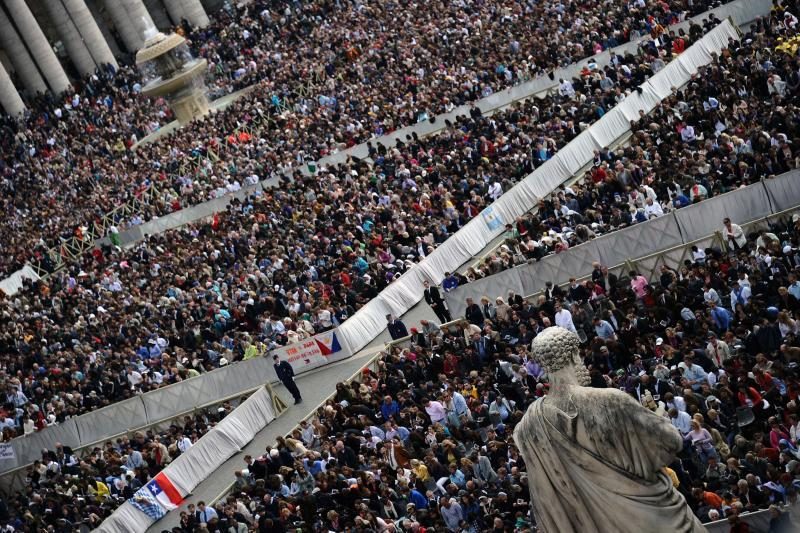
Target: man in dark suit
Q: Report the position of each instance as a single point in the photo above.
(285, 373)
(434, 298)
(552, 292)
(397, 330)
(473, 313)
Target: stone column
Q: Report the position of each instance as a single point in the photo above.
(158, 13)
(9, 97)
(139, 16)
(37, 43)
(124, 25)
(175, 11)
(195, 13)
(73, 42)
(19, 56)
(87, 27)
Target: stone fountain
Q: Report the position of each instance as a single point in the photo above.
(169, 70)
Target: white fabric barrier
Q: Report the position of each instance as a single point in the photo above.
(125, 519)
(168, 402)
(201, 460)
(784, 190)
(640, 240)
(741, 205)
(758, 523)
(405, 292)
(491, 287)
(13, 283)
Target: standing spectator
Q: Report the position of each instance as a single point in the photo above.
(603, 329)
(434, 299)
(452, 514)
(397, 330)
(285, 373)
(638, 284)
(450, 282)
(564, 318)
(204, 513)
(473, 313)
(734, 235)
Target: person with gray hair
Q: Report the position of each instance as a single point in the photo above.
(596, 457)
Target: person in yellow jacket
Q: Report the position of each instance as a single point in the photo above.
(100, 491)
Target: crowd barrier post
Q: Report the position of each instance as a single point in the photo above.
(277, 403)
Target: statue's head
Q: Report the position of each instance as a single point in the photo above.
(556, 349)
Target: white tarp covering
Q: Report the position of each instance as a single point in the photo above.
(13, 283)
(741, 205)
(202, 459)
(126, 519)
(167, 402)
(405, 292)
(697, 224)
(639, 240)
(28, 448)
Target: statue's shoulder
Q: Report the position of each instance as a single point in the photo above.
(608, 394)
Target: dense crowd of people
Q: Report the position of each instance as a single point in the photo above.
(424, 439)
(279, 265)
(65, 491)
(323, 78)
(737, 122)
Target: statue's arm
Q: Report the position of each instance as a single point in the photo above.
(653, 440)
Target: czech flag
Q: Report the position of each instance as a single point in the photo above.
(328, 343)
(164, 491)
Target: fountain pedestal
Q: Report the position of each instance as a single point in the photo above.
(169, 70)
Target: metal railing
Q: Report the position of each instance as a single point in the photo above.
(649, 265)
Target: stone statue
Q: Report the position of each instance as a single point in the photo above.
(596, 457)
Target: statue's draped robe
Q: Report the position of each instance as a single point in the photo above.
(596, 465)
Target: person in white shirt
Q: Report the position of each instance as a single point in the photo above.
(740, 294)
(681, 420)
(687, 134)
(710, 295)
(734, 234)
(652, 209)
(565, 88)
(183, 443)
(495, 191)
(698, 255)
(675, 401)
(564, 318)
(717, 350)
(324, 318)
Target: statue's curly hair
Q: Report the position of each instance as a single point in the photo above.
(555, 348)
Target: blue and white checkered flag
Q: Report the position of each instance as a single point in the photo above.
(146, 503)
